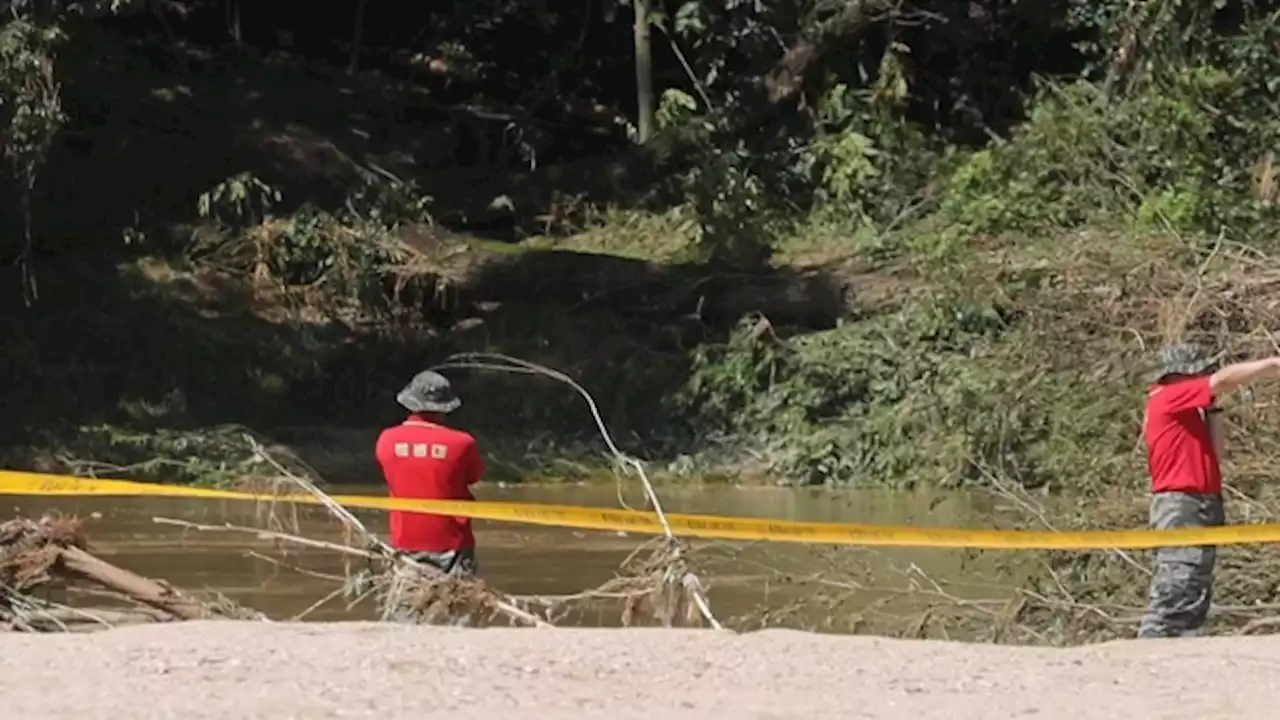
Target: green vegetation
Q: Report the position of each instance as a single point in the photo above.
(862, 241)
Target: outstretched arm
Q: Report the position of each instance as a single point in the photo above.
(1238, 375)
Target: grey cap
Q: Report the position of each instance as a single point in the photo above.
(1182, 359)
(429, 392)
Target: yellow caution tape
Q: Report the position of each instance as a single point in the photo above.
(703, 526)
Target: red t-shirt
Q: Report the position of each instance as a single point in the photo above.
(1180, 451)
(421, 459)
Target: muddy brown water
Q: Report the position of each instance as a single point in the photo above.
(531, 560)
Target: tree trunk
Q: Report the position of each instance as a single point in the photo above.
(644, 72)
(233, 22)
(157, 9)
(357, 37)
(26, 261)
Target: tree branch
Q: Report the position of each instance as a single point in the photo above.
(786, 79)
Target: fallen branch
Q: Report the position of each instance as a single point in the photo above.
(36, 554)
(144, 590)
(785, 80)
(267, 535)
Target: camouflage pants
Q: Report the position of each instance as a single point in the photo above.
(452, 562)
(1182, 586)
(459, 563)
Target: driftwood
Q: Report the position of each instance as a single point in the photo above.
(151, 593)
(39, 554)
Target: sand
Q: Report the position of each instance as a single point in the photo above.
(364, 670)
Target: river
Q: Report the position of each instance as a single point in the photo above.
(746, 578)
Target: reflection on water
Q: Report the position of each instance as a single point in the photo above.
(521, 560)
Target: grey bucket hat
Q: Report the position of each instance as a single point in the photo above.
(429, 392)
(1182, 359)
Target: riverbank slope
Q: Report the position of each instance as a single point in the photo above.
(358, 670)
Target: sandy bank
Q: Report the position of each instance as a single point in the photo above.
(356, 670)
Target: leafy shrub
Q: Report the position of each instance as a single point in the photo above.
(349, 255)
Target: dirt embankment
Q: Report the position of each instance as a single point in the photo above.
(213, 669)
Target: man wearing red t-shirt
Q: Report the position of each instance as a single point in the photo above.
(422, 458)
(1184, 446)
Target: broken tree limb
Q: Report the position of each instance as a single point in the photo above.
(144, 590)
(36, 554)
(786, 79)
(266, 535)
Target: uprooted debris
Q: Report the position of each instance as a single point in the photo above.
(658, 587)
(40, 556)
(653, 588)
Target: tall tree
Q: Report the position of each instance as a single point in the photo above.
(644, 72)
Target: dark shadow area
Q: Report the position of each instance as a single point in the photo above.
(148, 347)
(146, 138)
(622, 327)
